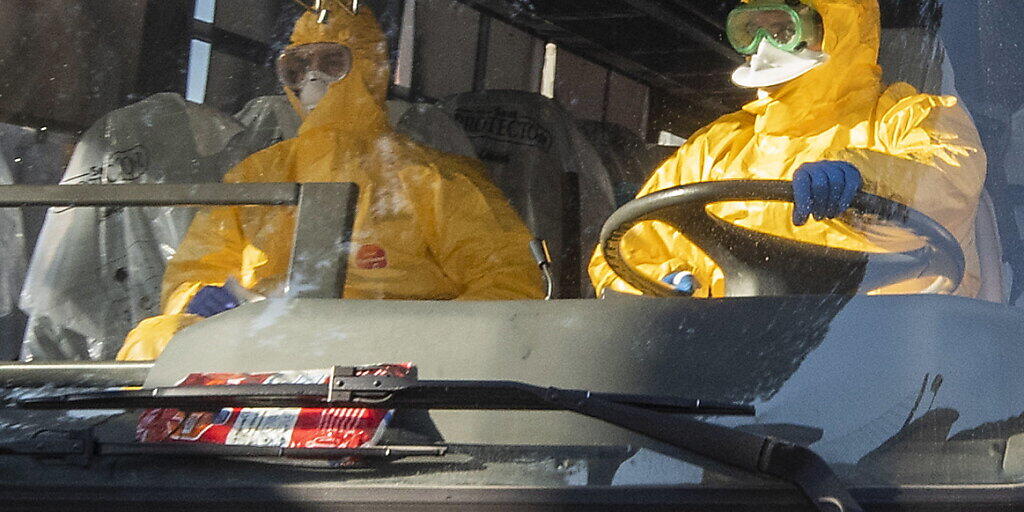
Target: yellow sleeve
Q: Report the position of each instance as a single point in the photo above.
(148, 339)
(474, 233)
(937, 167)
(654, 248)
(930, 158)
(948, 193)
(214, 249)
(211, 251)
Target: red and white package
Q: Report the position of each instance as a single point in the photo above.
(305, 427)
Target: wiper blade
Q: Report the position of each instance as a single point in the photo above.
(647, 415)
(345, 389)
(757, 454)
(80, 447)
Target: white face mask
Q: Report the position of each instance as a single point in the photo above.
(772, 66)
(313, 88)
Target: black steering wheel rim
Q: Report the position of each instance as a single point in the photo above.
(684, 208)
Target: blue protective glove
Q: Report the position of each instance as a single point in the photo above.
(824, 189)
(681, 282)
(212, 300)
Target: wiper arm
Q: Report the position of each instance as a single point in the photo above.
(648, 415)
(376, 392)
(761, 455)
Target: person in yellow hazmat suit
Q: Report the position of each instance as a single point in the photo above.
(429, 225)
(824, 120)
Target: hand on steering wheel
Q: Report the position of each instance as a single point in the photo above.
(824, 189)
(682, 282)
(762, 264)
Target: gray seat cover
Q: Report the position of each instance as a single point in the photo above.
(530, 143)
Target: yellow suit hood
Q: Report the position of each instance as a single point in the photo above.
(809, 103)
(356, 103)
(918, 149)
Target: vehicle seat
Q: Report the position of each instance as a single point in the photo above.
(624, 154)
(990, 251)
(431, 126)
(266, 120)
(96, 272)
(551, 174)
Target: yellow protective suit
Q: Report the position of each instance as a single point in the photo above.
(429, 225)
(918, 149)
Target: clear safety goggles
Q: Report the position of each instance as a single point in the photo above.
(787, 25)
(331, 59)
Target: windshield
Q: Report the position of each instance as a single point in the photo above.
(810, 207)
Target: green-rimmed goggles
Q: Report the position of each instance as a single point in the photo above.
(789, 26)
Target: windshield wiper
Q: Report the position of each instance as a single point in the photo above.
(80, 447)
(377, 392)
(657, 417)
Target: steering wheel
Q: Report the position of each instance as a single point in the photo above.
(760, 264)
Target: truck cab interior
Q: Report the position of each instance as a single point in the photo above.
(898, 401)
